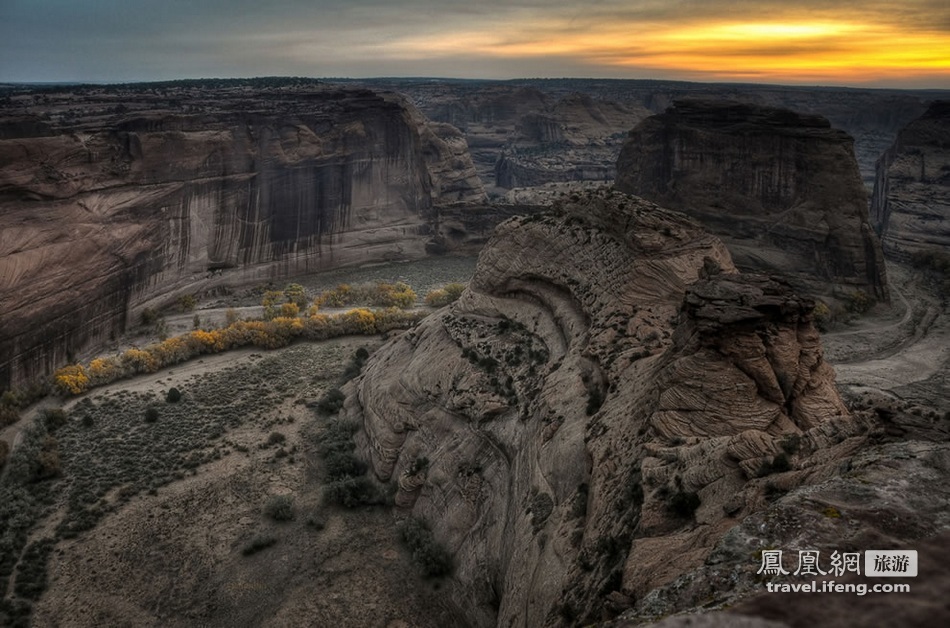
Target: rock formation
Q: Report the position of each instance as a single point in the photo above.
(598, 409)
(910, 208)
(782, 189)
(524, 136)
(112, 199)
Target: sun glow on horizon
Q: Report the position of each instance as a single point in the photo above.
(792, 51)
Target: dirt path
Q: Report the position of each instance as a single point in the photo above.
(888, 355)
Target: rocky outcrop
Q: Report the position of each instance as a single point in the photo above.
(910, 208)
(112, 199)
(598, 409)
(782, 189)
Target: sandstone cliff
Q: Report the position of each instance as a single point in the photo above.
(910, 208)
(597, 410)
(115, 198)
(782, 189)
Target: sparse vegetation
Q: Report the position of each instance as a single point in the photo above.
(399, 295)
(101, 456)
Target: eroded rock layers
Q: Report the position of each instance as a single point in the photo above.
(782, 189)
(596, 410)
(911, 203)
(112, 199)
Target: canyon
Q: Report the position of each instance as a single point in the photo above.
(628, 402)
(114, 200)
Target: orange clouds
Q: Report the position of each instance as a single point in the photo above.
(822, 50)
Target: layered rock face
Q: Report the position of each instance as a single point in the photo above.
(910, 208)
(114, 199)
(782, 189)
(597, 410)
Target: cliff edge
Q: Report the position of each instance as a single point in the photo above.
(782, 189)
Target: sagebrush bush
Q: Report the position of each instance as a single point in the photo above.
(173, 395)
(280, 508)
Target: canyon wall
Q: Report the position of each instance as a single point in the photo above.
(598, 408)
(910, 208)
(782, 189)
(113, 199)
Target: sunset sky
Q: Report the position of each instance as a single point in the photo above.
(827, 42)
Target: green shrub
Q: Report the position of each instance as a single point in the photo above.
(151, 414)
(187, 302)
(173, 395)
(47, 463)
(280, 508)
(149, 316)
(351, 492)
(859, 302)
(419, 465)
(54, 418)
(431, 556)
(275, 438)
(343, 464)
(331, 402)
(10, 404)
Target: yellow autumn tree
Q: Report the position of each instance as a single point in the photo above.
(139, 361)
(71, 380)
(359, 320)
